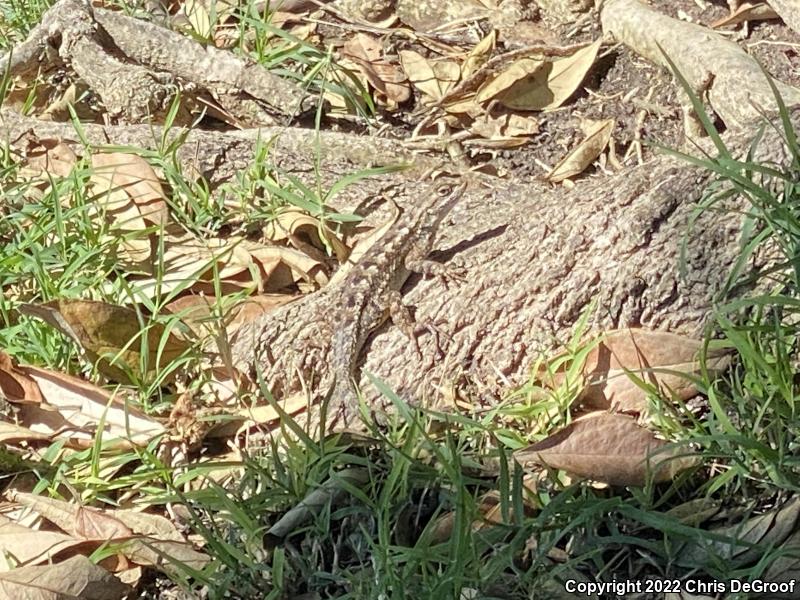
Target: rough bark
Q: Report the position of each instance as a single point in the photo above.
(536, 257)
(219, 156)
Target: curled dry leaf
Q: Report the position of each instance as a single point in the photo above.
(387, 78)
(76, 577)
(111, 336)
(747, 12)
(664, 360)
(147, 538)
(431, 77)
(248, 417)
(540, 82)
(79, 521)
(329, 493)
(610, 448)
(130, 195)
(72, 408)
(48, 157)
(283, 268)
(15, 384)
(21, 545)
(509, 128)
(768, 530)
(598, 134)
(239, 263)
(479, 55)
(121, 179)
(300, 229)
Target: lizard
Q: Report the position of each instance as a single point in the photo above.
(373, 285)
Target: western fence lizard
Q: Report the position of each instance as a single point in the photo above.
(373, 287)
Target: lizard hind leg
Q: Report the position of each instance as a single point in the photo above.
(401, 317)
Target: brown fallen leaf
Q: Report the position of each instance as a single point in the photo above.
(768, 530)
(111, 336)
(747, 12)
(76, 577)
(48, 156)
(664, 360)
(328, 494)
(431, 77)
(78, 521)
(387, 78)
(21, 545)
(598, 134)
(252, 416)
(510, 128)
(72, 408)
(610, 448)
(540, 82)
(479, 54)
(129, 178)
(144, 539)
(15, 384)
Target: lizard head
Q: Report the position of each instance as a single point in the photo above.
(443, 197)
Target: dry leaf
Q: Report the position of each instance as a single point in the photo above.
(432, 78)
(478, 55)
(769, 530)
(302, 230)
(539, 83)
(111, 336)
(146, 537)
(747, 12)
(240, 264)
(518, 70)
(657, 357)
(198, 17)
(251, 416)
(49, 156)
(284, 267)
(15, 384)
(385, 77)
(76, 577)
(328, 494)
(11, 433)
(121, 179)
(79, 521)
(73, 408)
(160, 554)
(20, 545)
(598, 133)
(505, 127)
(610, 448)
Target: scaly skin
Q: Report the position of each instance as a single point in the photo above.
(373, 287)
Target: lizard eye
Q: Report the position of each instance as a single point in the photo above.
(443, 190)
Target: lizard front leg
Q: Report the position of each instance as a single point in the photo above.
(431, 268)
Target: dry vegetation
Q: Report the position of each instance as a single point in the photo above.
(610, 394)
